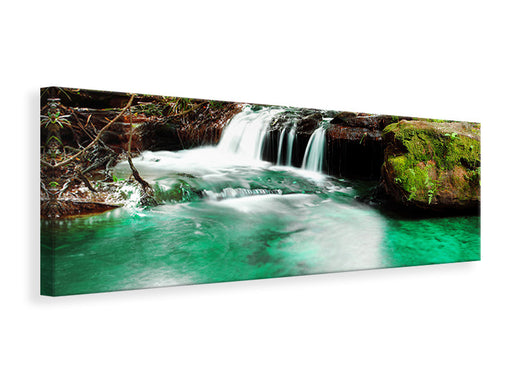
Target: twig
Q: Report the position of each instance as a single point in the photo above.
(68, 160)
(190, 109)
(82, 127)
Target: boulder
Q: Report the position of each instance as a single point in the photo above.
(364, 120)
(284, 120)
(432, 165)
(309, 123)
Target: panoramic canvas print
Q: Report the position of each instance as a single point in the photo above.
(142, 191)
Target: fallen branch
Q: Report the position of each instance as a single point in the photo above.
(86, 181)
(96, 139)
(147, 189)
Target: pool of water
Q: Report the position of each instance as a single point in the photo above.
(226, 217)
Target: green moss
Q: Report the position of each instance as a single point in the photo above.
(473, 177)
(447, 149)
(432, 120)
(432, 150)
(414, 177)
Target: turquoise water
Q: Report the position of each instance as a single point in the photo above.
(247, 222)
(226, 215)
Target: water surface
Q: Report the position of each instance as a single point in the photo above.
(226, 215)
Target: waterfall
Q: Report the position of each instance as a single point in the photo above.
(245, 133)
(281, 138)
(289, 150)
(314, 155)
(289, 144)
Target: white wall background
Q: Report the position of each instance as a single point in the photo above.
(435, 324)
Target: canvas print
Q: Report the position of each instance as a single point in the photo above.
(141, 191)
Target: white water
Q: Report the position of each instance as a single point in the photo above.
(290, 132)
(281, 138)
(245, 133)
(289, 151)
(314, 155)
(240, 148)
(245, 199)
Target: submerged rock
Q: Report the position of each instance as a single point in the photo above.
(432, 165)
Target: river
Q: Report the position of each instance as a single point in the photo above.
(227, 215)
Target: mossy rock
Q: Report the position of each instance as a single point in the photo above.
(432, 165)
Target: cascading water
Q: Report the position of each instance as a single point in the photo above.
(290, 132)
(245, 133)
(314, 155)
(289, 150)
(279, 148)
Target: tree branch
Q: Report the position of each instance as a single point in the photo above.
(145, 185)
(96, 139)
